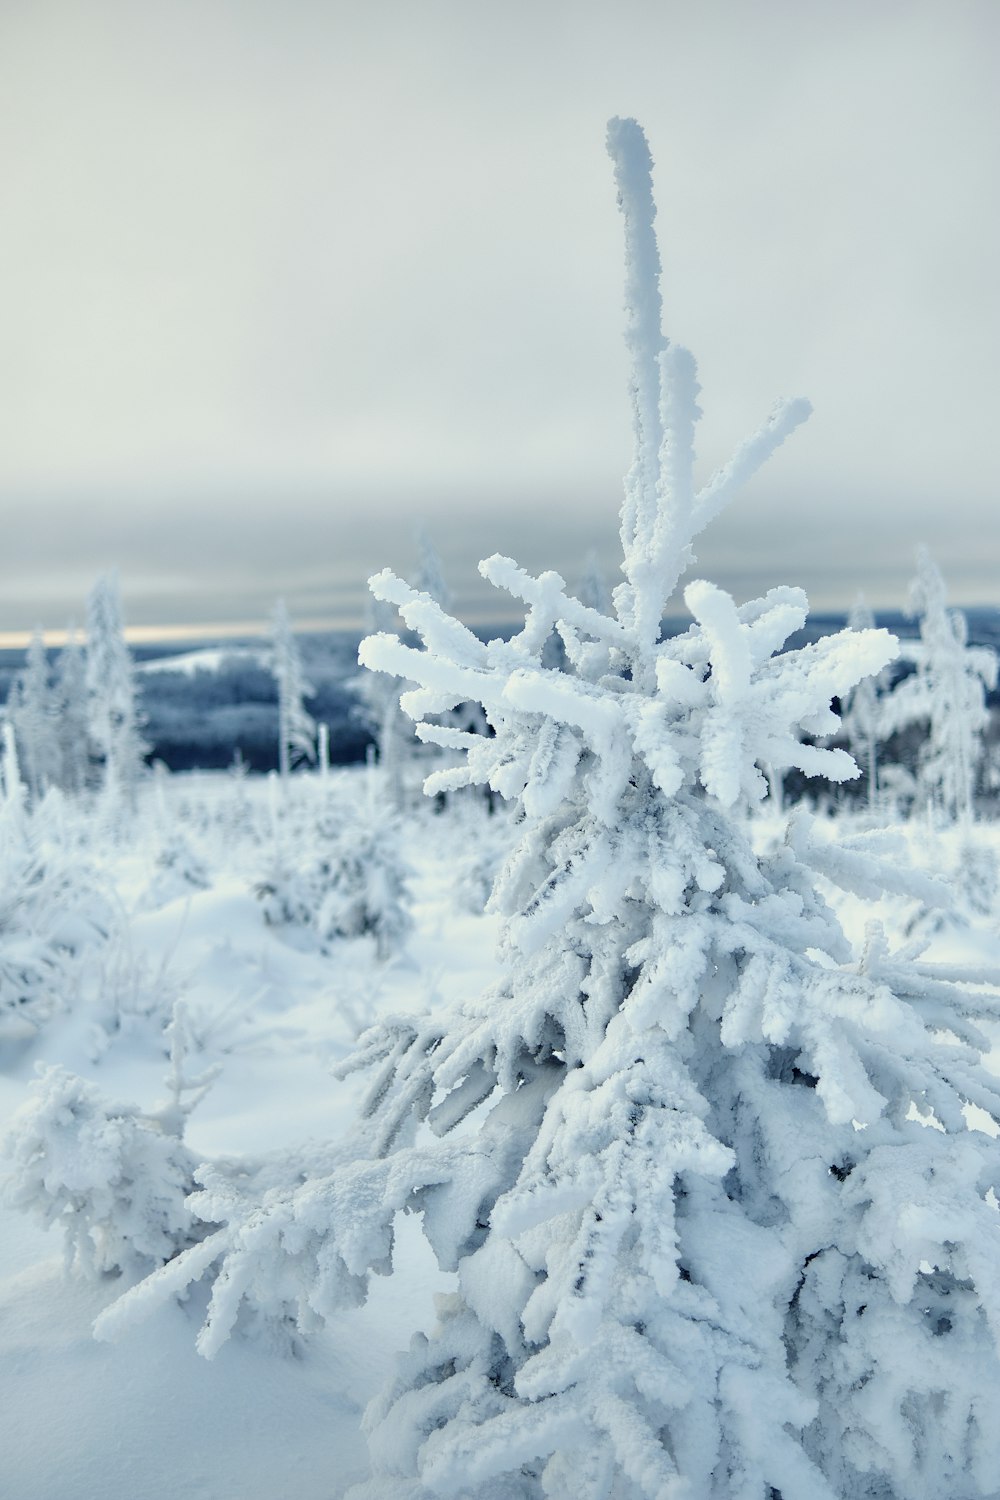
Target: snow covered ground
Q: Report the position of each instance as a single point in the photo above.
(148, 1418)
(275, 1006)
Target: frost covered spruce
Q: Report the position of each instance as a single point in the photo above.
(947, 692)
(719, 1223)
(114, 721)
(335, 868)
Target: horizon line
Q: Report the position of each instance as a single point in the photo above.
(257, 629)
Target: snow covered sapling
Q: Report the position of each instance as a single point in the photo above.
(113, 714)
(52, 908)
(179, 870)
(703, 1244)
(366, 884)
(115, 1180)
(32, 710)
(296, 729)
(70, 694)
(337, 872)
(948, 693)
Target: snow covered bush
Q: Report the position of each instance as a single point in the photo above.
(108, 1175)
(180, 869)
(115, 1180)
(719, 1225)
(365, 883)
(404, 762)
(53, 907)
(339, 872)
(289, 889)
(976, 876)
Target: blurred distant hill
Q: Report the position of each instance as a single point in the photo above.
(214, 699)
(204, 705)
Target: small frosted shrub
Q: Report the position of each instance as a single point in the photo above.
(947, 694)
(367, 891)
(52, 909)
(345, 877)
(112, 1178)
(116, 1180)
(179, 871)
(287, 893)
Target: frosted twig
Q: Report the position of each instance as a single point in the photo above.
(751, 454)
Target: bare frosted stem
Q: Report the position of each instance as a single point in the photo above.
(643, 317)
(751, 454)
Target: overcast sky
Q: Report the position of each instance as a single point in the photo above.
(278, 279)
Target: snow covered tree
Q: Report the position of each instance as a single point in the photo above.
(52, 908)
(114, 1179)
(296, 729)
(32, 712)
(337, 871)
(947, 692)
(719, 1224)
(70, 695)
(113, 714)
(365, 887)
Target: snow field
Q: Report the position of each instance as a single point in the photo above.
(147, 1418)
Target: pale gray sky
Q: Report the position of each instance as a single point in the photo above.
(280, 278)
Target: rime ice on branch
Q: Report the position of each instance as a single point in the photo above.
(675, 714)
(705, 1243)
(862, 711)
(663, 513)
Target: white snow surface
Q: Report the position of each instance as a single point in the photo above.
(147, 1418)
